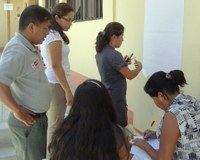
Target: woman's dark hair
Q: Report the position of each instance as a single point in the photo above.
(165, 82)
(103, 38)
(61, 9)
(33, 14)
(87, 132)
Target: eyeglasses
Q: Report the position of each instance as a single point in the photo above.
(68, 19)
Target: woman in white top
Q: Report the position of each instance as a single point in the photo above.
(55, 51)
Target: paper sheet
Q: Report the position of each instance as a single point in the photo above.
(138, 153)
(163, 35)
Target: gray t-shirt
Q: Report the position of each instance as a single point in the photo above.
(21, 68)
(109, 62)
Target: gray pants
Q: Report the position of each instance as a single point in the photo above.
(29, 142)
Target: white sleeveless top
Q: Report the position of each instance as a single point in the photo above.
(51, 37)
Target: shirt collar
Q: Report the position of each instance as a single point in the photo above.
(30, 46)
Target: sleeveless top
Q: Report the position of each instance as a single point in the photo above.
(51, 37)
(187, 112)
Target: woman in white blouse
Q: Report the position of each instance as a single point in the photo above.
(55, 51)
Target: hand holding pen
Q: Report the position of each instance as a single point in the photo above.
(149, 133)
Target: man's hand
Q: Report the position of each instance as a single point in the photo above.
(24, 115)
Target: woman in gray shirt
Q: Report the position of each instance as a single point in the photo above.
(113, 69)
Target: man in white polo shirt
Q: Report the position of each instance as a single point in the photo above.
(24, 88)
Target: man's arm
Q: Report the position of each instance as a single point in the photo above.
(22, 114)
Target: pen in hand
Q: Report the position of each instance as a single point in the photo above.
(129, 58)
(149, 133)
(152, 123)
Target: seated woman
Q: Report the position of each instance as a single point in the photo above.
(90, 131)
(179, 130)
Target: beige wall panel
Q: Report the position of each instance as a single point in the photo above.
(191, 47)
(3, 28)
(15, 14)
(82, 39)
(18, 6)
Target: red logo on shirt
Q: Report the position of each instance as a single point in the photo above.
(35, 64)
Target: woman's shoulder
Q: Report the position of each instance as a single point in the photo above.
(184, 108)
(53, 36)
(111, 53)
(109, 50)
(185, 102)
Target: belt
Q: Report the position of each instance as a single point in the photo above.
(37, 115)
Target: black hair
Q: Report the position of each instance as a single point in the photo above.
(61, 9)
(87, 132)
(103, 38)
(33, 14)
(165, 82)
